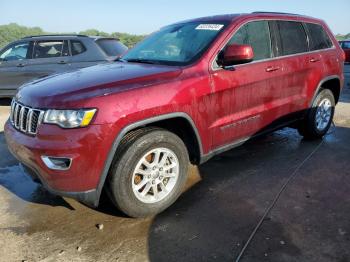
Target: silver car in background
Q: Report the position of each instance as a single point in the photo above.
(35, 57)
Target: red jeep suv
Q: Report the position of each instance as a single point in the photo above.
(186, 93)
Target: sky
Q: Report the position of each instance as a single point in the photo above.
(146, 16)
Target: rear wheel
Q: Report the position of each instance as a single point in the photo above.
(149, 173)
(319, 118)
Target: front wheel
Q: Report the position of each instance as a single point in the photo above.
(319, 118)
(149, 173)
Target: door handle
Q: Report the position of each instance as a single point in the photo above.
(272, 68)
(62, 62)
(314, 60)
(20, 65)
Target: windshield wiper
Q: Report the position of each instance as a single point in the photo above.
(144, 61)
(119, 59)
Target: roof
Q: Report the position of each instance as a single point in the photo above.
(56, 35)
(230, 17)
(67, 36)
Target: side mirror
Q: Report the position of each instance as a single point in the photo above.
(236, 54)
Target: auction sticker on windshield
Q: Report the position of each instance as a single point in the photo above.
(214, 27)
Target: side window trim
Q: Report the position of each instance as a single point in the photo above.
(69, 47)
(308, 39)
(275, 40)
(213, 61)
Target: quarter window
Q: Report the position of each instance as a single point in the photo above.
(49, 49)
(257, 35)
(318, 37)
(293, 37)
(15, 52)
(77, 47)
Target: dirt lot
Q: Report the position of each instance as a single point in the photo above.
(211, 221)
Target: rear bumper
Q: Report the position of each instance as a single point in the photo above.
(86, 147)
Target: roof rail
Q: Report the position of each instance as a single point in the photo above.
(32, 36)
(277, 13)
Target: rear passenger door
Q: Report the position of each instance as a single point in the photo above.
(321, 44)
(247, 96)
(300, 67)
(49, 57)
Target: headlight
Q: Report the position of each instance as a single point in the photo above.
(69, 118)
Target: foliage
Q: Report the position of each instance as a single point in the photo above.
(12, 32)
(342, 37)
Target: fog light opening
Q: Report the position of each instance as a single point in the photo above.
(57, 163)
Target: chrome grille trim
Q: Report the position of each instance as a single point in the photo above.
(25, 119)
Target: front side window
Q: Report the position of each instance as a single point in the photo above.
(257, 35)
(15, 52)
(318, 37)
(49, 49)
(293, 37)
(179, 44)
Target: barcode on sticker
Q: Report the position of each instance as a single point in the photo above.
(214, 27)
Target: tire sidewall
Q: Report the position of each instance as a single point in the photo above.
(325, 93)
(122, 174)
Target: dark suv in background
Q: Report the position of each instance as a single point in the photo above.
(35, 57)
(345, 44)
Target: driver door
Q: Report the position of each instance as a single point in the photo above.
(247, 95)
(13, 60)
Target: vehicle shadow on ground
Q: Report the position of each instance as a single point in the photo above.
(212, 220)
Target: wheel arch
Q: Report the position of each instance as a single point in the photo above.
(187, 133)
(332, 83)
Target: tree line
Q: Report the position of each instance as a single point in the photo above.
(342, 37)
(13, 31)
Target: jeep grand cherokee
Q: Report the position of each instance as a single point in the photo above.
(187, 92)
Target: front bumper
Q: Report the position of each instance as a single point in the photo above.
(87, 147)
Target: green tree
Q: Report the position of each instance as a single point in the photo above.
(13, 31)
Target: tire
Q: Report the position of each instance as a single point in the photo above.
(124, 181)
(311, 127)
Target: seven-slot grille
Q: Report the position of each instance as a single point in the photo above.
(24, 118)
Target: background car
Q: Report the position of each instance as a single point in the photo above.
(35, 57)
(345, 44)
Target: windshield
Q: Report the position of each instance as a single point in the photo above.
(179, 44)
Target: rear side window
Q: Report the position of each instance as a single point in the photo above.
(257, 35)
(319, 39)
(77, 47)
(293, 37)
(49, 49)
(112, 47)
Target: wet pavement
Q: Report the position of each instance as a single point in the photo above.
(226, 198)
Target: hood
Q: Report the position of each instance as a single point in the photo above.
(100, 80)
